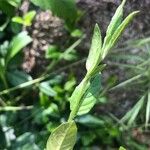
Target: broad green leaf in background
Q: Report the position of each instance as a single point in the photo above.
(90, 96)
(63, 137)
(18, 77)
(122, 148)
(44, 4)
(25, 141)
(76, 33)
(95, 54)
(18, 19)
(18, 42)
(65, 9)
(47, 89)
(7, 8)
(90, 121)
(53, 52)
(26, 19)
(14, 3)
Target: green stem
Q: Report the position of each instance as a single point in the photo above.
(82, 86)
(15, 108)
(50, 67)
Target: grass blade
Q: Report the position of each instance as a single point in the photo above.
(148, 110)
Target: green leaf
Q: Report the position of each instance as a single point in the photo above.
(53, 52)
(90, 96)
(18, 77)
(65, 9)
(131, 115)
(122, 27)
(26, 20)
(118, 32)
(47, 89)
(148, 110)
(44, 4)
(90, 121)
(76, 33)
(18, 19)
(63, 137)
(78, 93)
(16, 45)
(115, 22)
(14, 3)
(7, 8)
(71, 55)
(95, 53)
(122, 148)
(29, 17)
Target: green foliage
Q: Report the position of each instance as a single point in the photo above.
(80, 102)
(54, 93)
(95, 52)
(16, 45)
(61, 135)
(65, 9)
(8, 6)
(132, 114)
(44, 4)
(26, 19)
(122, 148)
(138, 72)
(8, 53)
(90, 97)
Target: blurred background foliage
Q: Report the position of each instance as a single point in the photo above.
(43, 47)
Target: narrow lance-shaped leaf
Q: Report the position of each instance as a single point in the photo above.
(132, 114)
(94, 57)
(136, 110)
(148, 110)
(63, 137)
(122, 27)
(115, 22)
(118, 32)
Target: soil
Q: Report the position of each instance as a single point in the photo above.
(48, 29)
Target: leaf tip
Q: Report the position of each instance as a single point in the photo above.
(123, 2)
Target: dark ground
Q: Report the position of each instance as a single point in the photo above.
(48, 29)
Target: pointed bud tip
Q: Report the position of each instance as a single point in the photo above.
(123, 2)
